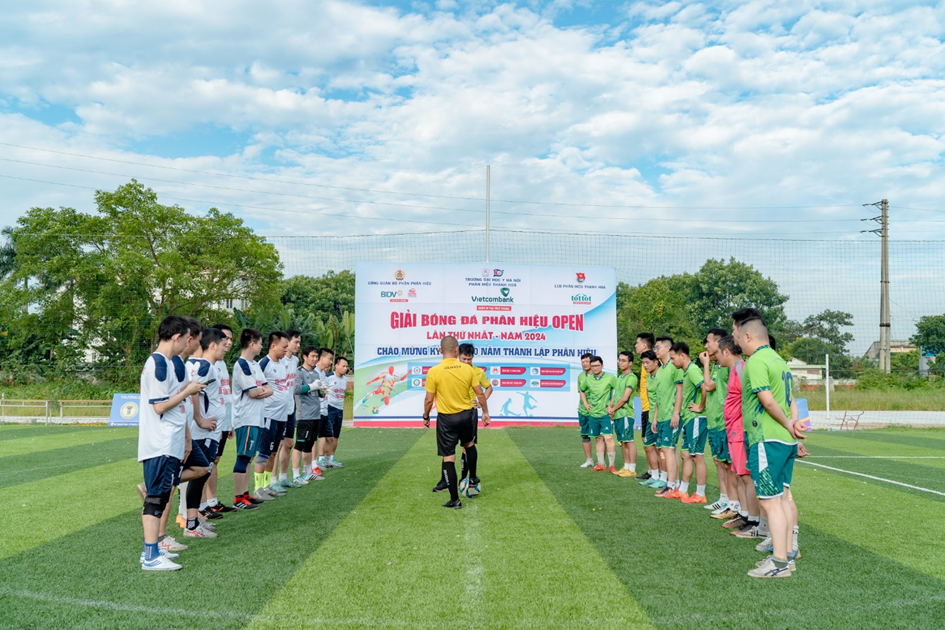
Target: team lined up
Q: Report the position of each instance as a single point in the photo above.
(274, 410)
(743, 409)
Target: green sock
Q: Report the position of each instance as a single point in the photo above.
(267, 476)
(259, 480)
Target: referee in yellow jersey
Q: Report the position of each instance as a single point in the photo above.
(448, 384)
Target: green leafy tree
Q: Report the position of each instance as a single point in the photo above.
(821, 335)
(654, 307)
(332, 293)
(930, 334)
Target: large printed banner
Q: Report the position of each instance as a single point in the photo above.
(529, 324)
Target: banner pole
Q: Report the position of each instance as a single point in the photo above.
(488, 177)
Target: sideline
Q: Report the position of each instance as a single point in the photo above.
(850, 472)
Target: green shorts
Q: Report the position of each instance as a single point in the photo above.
(666, 435)
(623, 429)
(583, 424)
(694, 435)
(600, 426)
(771, 465)
(649, 437)
(718, 444)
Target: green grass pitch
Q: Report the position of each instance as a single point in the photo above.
(547, 545)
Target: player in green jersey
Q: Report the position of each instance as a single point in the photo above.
(597, 392)
(715, 386)
(668, 424)
(621, 410)
(651, 374)
(772, 440)
(583, 418)
(694, 425)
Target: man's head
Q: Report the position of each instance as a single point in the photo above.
(295, 340)
(662, 347)
(278, 343)
(679, 354)
(624, 360)
(449, 347)
(250, 341)
(213, 344)
(729, 352)
(743, 315)
(341, 366)
(586, 361)
(597, 365)
(751, 335)
(649, 361)
(711, 342)
(174, 329)
(194, 329)
(228, 335)
(644, 342)
(466, 353)
(325, 357)
(309, 357)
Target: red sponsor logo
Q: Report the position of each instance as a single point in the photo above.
(493, 308)
(553, 371)
(512, 370)
(553, 383)
(398, 299)
(512, 382)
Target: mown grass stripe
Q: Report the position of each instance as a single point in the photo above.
(91, 578)
(400, 559)
(17, 431)
(30, 467)
(923, 473)
(40, 443)
(920, 439)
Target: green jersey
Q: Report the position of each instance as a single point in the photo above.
(598, 391)
(625, 382)
(691, 390)
(765, 370)
(661, 388)
(581, 378)
(715, 400)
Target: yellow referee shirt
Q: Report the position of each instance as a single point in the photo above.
(451, 382)
(482, 381)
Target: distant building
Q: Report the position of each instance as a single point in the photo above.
(895, 347)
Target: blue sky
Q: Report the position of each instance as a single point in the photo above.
(754, 119)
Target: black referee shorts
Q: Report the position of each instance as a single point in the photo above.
(453, 429)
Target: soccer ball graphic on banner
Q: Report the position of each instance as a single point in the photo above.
(469, 490)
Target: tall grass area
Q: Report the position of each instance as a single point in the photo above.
(877, 400)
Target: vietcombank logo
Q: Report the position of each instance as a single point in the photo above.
(580, 298)
(503, 299)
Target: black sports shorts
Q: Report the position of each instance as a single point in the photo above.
(453, 429)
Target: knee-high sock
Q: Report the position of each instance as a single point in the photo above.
(472, 460)
(465, 467)
(195, 490)
(449, 475)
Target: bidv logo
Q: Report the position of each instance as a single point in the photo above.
(497, 273)
(580, 298)
(391, 294)
(581, 277)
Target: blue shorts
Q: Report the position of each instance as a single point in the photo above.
(290, 427)
(331, 424)
(160, 474)
(198, 457)
(247, 441)
(276, 435)
(210, 448)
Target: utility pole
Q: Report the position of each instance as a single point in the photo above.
(885, 340)
(488, 183)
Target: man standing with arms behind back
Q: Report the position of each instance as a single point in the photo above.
(448, 384)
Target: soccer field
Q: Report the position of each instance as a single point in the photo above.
(547, 545)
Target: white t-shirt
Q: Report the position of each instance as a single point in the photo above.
(291, 364)
(161, 435)
(336, 390)
(211, 402)
(223, 376)
(276, 405)
(247, 411)
(323, 378)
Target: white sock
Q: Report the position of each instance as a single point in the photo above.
(600, 459)
(283, 477)
(633, 467)
(182, 499)
(743, 513)
(213, 502)
(735, 507)
(700, 490)
(684, 486)
(626, 466)
(590, 460)
(204, 506)
(763, 526)
(611, 457)
(723, 498)
(307, 468)
(663, 476)
(296, 473)
(795, 537)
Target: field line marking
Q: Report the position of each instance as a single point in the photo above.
(875, 457)
(473, 609)
(850, 472)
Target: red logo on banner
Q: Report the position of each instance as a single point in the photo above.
(553, 371)
(493, 308)
(512, 370)
(512, 382)
(553, 383)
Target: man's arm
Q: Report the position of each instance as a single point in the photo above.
(263, 391)
(208, 424)
(587, 405)
(428, 407)
(190, 389)
(627, 393)
(708, 383)
(677, 406)
(766, 398)
(481, 399)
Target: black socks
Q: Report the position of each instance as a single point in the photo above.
(471, 459)
(449, 474)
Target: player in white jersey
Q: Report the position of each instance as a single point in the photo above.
(326, 358)
(161, 436)
(274, 415)
(250, 391)
(210, 404)
(284, 456)
(224, 422)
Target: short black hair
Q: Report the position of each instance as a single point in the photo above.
(626, 353)
(743, 315)
(648, 339)
(323, 351)
(596, 359)
(680, 346)
(341, 358)
(587, 355)
(170, 326)
(210, 335)
(249, 336)
(222, 327)
(193, 326)
(292, 334)
(718, 332)
(307, 350)
(467, 350)
(772, 342)
(275, 336)
(728, 343)
(669, 339)
(648, 354)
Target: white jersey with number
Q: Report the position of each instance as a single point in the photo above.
(291, 364)
(336, 391)
(276, 405)
(161, 435)
(323, 380)
(223, 376)
(247, 411)
(211, 401)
